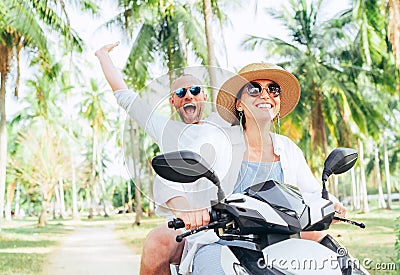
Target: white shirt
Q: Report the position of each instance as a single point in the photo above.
(208, 139)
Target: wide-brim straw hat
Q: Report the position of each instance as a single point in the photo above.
(288, 82)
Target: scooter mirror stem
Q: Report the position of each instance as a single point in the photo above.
(324, 191)
(325, 175)
(220, 194)
(214, 179)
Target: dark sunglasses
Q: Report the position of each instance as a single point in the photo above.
(255, 89)
(194, 90)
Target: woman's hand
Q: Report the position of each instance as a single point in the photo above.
(340, 211)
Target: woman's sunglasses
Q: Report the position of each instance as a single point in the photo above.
(255, 89)
(194, 90)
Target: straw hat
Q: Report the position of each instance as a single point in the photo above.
(227, 94)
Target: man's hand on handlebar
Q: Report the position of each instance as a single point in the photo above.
(192, 218)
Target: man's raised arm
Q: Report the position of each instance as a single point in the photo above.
(111, 73)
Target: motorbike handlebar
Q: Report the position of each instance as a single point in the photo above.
(359, 224)
(176, 224)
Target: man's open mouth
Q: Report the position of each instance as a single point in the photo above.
(189, 108)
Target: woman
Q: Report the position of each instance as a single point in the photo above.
(260, 94)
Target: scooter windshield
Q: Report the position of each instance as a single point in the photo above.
(282, 197)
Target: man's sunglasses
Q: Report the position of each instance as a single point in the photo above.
(194, 90)
(255, 89)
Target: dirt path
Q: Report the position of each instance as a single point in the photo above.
(93, 250)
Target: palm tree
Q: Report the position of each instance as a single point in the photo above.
(331, 99)
(208, 16)
(93, 111)
(21, 28)
(41, 141)
(43, 100)
(372, 49)
(164, 37)
(37, 161)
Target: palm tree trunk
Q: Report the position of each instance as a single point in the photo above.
(394, 28)
(151, 193)
(318, 133)
(57, 202)
(363, 182)
(90, 200)
(10, 198)
(3, 143)
(18, 200)
(45, 203)
(336, 185)
(358, 185)
(123, 196)
(93, 174)
(208, 16)
(62, 199)
(6, 54)
(174, 114)
(43, 213)
(102, 185)
(381, 198)
(136, 173)
(353, 190)
(344, 194)
(75, 212)
(387, 174)
(130, 206)
(132, 136)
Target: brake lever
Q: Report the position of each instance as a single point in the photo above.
(212, 225)
(359, 224)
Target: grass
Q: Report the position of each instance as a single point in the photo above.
(24, 247)
(134, 235)
(374, 245)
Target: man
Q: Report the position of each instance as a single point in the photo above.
(188, 98)
(161, 240)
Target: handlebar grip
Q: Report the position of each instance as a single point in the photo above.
(176, 224)
(179, 238)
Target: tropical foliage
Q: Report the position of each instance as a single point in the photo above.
(347, 73)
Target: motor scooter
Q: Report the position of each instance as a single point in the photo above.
(261, 227)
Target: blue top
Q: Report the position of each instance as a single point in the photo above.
(252, 173)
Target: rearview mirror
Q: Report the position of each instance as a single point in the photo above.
(339, 161)
(181, 166)
(185, 166)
